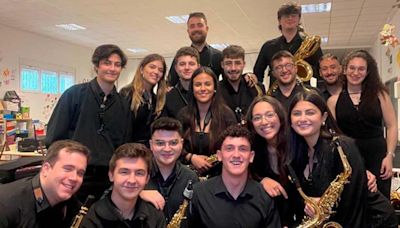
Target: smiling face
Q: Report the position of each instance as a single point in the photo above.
(235, 155)
(152, 73)
(63, 179)
(265, 121)
(109, 69)
(203, 88)
(166, 147)
(330, 70)
(185, 66)
(284, 70)
(356, 71)
(129, 177)
(197, 30)
(233, 68)
(307, 119)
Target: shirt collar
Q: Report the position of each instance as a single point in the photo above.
(155, 171)
(295, 38)
(230, 88)
(221, 190)
(98, 91)
(41, 201)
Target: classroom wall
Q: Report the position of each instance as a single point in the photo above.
(19, 47)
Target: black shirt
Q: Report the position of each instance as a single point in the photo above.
(177, 98)
(271, 47)
(285, 101)
(104, 213)
(213, 206)
(172, 188)
(209, 57)
(82, 115)
(21, 208)
(238, 101)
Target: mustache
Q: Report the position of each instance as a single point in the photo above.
(234, 72)
(197, 32)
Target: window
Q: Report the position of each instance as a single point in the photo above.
(45, 81)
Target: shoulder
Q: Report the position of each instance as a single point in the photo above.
(271, 42)
(332, 100)
(147, 210)
(187, 173)
(126, 91)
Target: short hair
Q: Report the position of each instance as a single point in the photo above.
(199, 15)
(289, 8)
(233, 52)
(282, 54)
(329, 56)
(70, 146)
(235, 131)
(104, 51)
(187, 51)
(167, 124)
(131, 150)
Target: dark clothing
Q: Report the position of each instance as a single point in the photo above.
(24, 205)
(209, 57)
(82, 115)
(104, 213)
(261, 168)
(239, 101)
(213, 206)
(365, 124)
(177, 98)
(271, 47)
(145, 115)
(285, 101)
(325, 94)
(172, 188)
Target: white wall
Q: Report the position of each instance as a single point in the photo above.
(19, 47)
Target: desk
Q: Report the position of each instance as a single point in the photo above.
(13, 154)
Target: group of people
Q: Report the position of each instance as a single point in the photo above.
(160, 134)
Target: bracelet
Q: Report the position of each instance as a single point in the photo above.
(392, 154)
(190, 158)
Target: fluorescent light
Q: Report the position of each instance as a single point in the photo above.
(324, 39)
(219, 46)
(71, 27)
(316, 8)
(137, 50)
(178, 19)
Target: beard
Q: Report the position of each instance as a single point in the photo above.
(198, 39)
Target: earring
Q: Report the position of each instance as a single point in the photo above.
(215, 90)
(323, 123)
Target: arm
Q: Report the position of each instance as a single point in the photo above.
(173, 77)
(273, 188)
(154, 197)
(261, 64)
(389, 119)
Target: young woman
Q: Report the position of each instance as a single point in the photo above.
(145, 105)
(317, 162)
(267, 120)
(203, 119)
(360, 109)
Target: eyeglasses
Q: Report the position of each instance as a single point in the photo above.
(287, 66)
(353, 69)
(171, 143)
(266, 116)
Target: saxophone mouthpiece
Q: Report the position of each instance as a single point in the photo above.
(293, 177)
(188, 192)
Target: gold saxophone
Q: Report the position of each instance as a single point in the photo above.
(330, 198)
(307, 48)
(83, 211)
(180, 213)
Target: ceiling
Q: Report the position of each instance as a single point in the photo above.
(142, 24)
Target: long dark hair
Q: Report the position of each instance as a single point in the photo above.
(260, 144)
(217, 109)
(328, 130)
(372, 84)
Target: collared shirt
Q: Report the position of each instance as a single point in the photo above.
(209, 57)
(21, 207)
(177, 98)
(213, 206)
(104, 213)
(82, 115)
(271, 47)
(239, 101)
(285, 101)
(172, 188)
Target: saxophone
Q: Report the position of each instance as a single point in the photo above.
(180, 213)
(83, 211)
(330, 198)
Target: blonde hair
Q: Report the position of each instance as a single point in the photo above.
(138, 87)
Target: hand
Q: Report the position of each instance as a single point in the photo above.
(372, 186)
(251, 79)
(200, 163)
(153, 197)
(273, 188)
(169, 88)
(386, 167)
(308, 209)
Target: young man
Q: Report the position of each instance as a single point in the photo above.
(233, 199)
(168, 177)
(197, 30)
(233, 88)
(289, 16)
(186, 60)
(46, 200)
(95, 115)
(331, 71)
(129, 173)
(284, 70)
